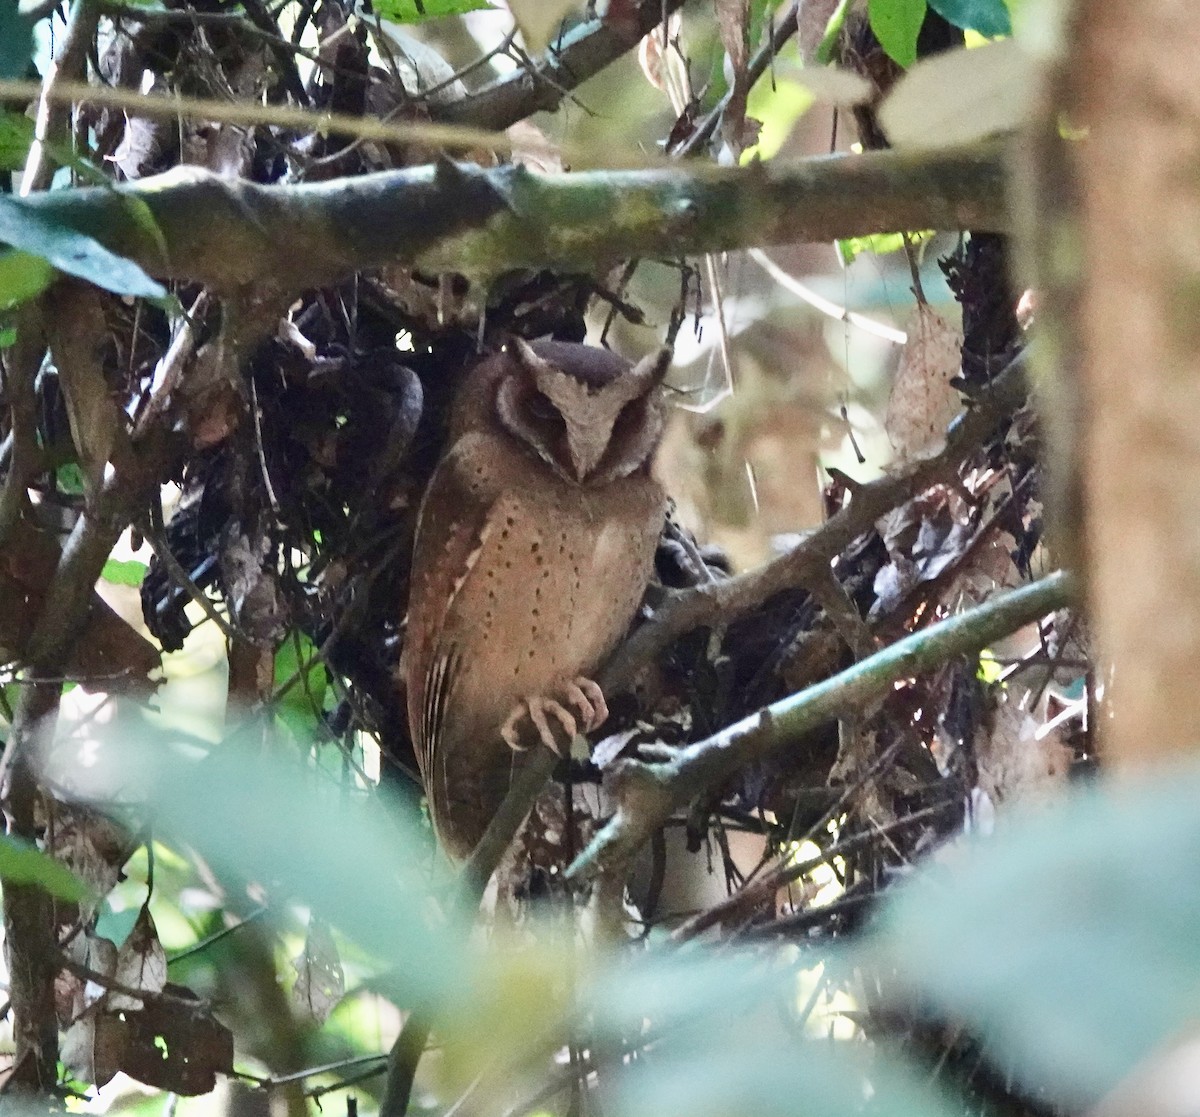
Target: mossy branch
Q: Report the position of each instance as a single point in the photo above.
(480, 222)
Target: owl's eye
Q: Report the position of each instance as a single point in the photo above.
(542, 407)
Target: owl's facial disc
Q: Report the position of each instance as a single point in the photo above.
(593, 404)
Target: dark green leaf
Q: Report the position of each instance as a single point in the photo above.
(16, 41)
(1070, 941)
(16, 135)
(23, 276)
(128, 573)
(418, 11)
(988, 17)
(72, 251)
(22, 864)
(896, 24)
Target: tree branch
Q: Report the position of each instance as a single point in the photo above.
(726, 600)
(463, 218)
(647, 794)
(585, 51)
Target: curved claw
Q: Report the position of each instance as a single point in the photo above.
(591, 697)
(580, 693)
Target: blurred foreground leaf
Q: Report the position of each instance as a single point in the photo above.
(22, 864)
(1070, 942)
(261, 815)
(750, 1072)
(72, 252)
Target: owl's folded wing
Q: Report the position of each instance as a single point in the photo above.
(461, 505)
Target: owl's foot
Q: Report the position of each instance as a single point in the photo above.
(584, 695)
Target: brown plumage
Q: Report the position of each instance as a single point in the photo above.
(534, 546)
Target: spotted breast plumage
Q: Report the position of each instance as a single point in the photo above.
(535, 544)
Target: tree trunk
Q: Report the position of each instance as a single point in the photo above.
(1120, 270)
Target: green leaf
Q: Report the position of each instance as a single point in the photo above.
(988, 17)
(252, 812)
(775, 1079)
(71, 251)
(832, 30)
(301, 707)
(23, 864)
(16, 136)
(16, 41)
(8, 336)
(129, 573)
(896, 24)
(23, 276)
(418, 11)
(850, 248)
(69, 479)
(1070, 941)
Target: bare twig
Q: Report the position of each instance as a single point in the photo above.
(54, 112)
(21, 362)
(585, 51)
(647, 794)
(783, 30)
(726, 600)
(760, 892)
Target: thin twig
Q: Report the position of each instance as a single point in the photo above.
(568, 62)
(54, 113)
(647, 794)
(758, 65)
(729, 599)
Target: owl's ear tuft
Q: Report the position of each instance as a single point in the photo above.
(528, 358)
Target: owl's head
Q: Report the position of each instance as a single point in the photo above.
(588, 413)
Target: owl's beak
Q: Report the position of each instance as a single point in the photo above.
(586, 450)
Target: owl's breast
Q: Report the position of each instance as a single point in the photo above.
(521, 581)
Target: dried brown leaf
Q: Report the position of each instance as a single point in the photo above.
(141, 963)
(733, 24)
(92, 1048)
(923, 403)
(320, 982)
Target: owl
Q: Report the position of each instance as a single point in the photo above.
(534, 546)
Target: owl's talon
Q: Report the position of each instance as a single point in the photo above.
(536, 709)
(537, 714)
(591, 698)
(508, 731)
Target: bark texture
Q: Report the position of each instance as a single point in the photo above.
(1132, 87)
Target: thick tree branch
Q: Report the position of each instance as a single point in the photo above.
(647, 794)
(728, 599)
(585, 51)
(462, 218)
